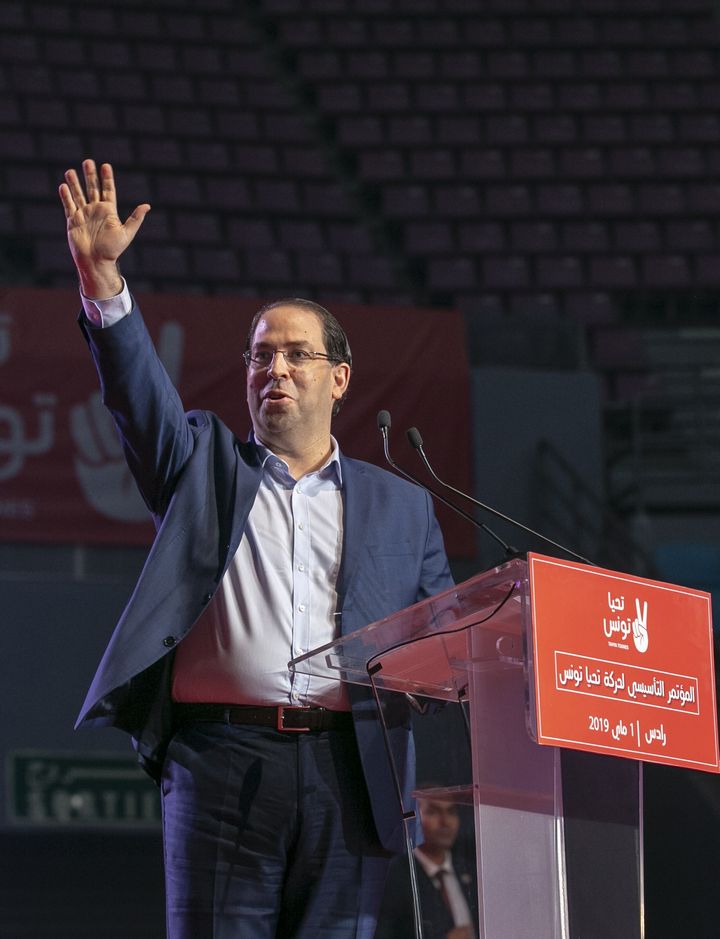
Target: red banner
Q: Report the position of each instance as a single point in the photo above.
(62, 475)
(624, 665)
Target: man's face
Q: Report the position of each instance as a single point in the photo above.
(287, 404)
(440, 823)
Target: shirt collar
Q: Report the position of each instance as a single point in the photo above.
(430, 867)
(331, 468)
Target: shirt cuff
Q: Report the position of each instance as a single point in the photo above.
(104, 313)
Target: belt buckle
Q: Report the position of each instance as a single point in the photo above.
(281, 719)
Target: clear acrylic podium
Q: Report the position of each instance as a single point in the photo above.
(558, 833)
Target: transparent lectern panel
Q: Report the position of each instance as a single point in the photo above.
(424, 648)
(535, 828)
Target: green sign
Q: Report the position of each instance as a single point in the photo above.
(68, 788)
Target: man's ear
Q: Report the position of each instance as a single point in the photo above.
(341, 374)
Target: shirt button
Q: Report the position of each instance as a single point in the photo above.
(301, 607)
(169, 641)
(298, 488)
(294, 695)
(301, 567)
(301, 526)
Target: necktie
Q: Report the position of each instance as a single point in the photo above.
(440, 881)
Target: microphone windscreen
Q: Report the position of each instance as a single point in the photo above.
(413, 435)
(383, 420)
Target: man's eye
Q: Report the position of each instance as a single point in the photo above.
(299, 355)
(262, 358)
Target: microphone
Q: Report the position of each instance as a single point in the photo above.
(416, 441)
(384, 422)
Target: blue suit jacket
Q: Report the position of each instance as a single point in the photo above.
(200, 481)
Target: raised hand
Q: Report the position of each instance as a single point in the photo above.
(96, 234)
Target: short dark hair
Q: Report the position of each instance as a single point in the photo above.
(336, 342)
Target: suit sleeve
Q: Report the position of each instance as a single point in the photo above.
(147, 410)
(435, 575)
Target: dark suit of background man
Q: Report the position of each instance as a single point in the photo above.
(264, 549)
(447, 889)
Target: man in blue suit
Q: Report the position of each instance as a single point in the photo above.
(279, 812)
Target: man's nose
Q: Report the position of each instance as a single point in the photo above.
(278, 366)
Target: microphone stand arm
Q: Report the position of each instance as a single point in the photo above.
(415, 440)
(509, 550)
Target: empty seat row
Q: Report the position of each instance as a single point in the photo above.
(688, 236)
(439, 30)
(553, 200)
(470, 63)
(518, 129)
(548, 163)
(520, 272)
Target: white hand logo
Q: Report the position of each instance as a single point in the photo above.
(639, 627)
(99, 462)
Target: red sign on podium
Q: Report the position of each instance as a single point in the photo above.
(623, 665)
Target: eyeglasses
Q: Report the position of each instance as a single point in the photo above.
(295, 358)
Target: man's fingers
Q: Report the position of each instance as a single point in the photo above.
(92, 185)
(93, 212)
(107, 181)
(97, 186)
(76, 191)
(135, 219)
(67, 200)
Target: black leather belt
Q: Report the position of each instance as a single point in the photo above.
(285, 718)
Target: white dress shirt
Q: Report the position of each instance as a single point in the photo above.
(276, 601)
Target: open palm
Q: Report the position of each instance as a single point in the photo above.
(95, 231)
(96, 234)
